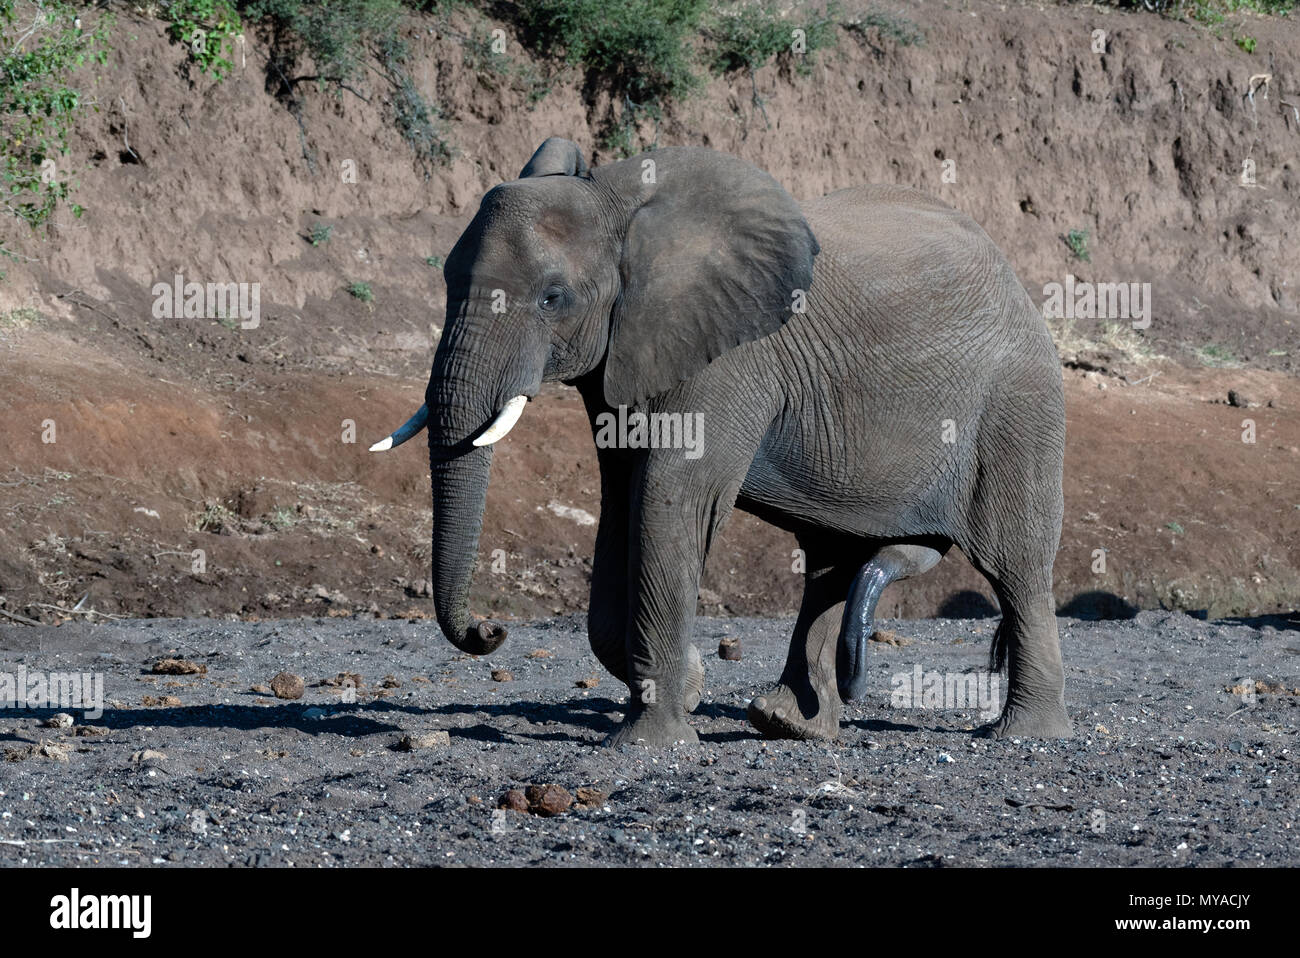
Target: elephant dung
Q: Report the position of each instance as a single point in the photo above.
(286, 685)
(179, 667)
(423, 740)
(502, 675)
(729, 650)
(514, 800)
(885, 637)
(548, 800)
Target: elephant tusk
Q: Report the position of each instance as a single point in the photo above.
(505, 421)
(411, 428)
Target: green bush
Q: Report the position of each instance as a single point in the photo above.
(41, 48)
(899, 29)
(1077, 240)
(208, 28)
(747, 36)
(642, 46)
(333, 34)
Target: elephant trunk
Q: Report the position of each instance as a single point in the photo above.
(459, 494)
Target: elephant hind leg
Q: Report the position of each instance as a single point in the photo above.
(1027, 644)
(804, 703)
(1014, 551)
(891, 563)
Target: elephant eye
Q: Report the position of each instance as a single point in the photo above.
(553, 298)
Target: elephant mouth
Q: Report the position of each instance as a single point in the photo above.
(494, 431)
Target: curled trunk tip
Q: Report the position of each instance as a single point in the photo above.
(482, 638)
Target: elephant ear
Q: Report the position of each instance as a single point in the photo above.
(556, 157)
(712, 259)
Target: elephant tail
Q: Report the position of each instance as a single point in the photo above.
(998, 650)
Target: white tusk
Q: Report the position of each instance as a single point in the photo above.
(410, 428)
(504, 422)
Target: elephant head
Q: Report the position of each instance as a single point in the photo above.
(629, 278)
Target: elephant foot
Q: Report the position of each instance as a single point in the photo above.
(777, 714)
(694, 679)
(1023, 721)
(654, 729)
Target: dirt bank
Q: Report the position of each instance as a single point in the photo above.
(248, 444)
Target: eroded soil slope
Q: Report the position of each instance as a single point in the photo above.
(178, 435)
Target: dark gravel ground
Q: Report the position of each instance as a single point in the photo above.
(1167, 768)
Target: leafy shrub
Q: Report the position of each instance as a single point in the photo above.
(749, 35)
(333, 34)
(41, 47)
(208, 28)
(1077, 240)
(899, 29)
(642, 46)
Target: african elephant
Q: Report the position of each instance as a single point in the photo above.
(868, 373)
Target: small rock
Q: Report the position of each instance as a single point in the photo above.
(591, 797)
(286, 685)
(313, 713)
(729, 650)
(501, 675)
(424, 740)
(548, 800)
(147, 755)
(61, 720)
(514, 800)
(590, 682)
(1237, 399)
(178, 667)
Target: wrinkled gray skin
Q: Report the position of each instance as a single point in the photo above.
(914, 402)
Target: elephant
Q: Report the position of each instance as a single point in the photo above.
(870, 376)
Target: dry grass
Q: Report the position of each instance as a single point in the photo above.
(1112, 344)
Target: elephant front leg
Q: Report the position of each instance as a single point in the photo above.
(607, 614)
(672, 534)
